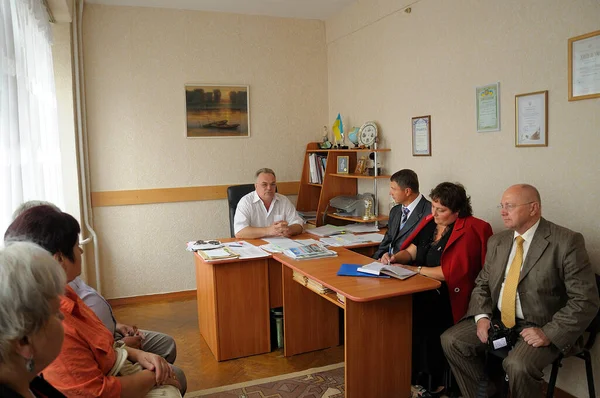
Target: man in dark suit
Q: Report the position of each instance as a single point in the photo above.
(404, 218)
(537, 279)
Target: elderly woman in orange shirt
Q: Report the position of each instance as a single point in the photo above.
(87, 362)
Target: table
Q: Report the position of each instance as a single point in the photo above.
(234, 297)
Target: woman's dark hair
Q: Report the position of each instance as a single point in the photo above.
(453, 196)
(53, 230)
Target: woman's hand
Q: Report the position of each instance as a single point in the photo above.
(158, 365)
(386, 259)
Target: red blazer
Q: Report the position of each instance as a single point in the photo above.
(462, 258)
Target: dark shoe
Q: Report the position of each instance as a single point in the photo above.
(422, 392)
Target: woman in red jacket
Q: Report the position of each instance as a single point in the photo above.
(449, 246)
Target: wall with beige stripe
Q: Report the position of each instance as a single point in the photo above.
(429, 61)
(152, 188)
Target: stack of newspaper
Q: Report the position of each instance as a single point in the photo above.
(309, 252)
(311, 284)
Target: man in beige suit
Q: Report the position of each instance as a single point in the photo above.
(554, 297)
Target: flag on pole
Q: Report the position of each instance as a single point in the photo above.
(338, 129)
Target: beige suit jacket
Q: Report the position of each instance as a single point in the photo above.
(557, 286)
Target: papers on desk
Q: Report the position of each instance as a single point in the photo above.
(194, 245)
(325, 230)
(351, 239)
(361, 227)
(278, 245)
(246, 250)
(222, 253)
(309, 252)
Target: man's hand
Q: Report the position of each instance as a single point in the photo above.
(127, 330)
(281, 229)
(535, 337)
(133, 341)
(385, 259)
(483, 325)
(158, 365)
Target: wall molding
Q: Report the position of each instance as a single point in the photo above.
(153, 298)
(171, 195)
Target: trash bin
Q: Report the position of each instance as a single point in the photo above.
(276, 328)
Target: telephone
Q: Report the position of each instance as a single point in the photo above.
(351, 205)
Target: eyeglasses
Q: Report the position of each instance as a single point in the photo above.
(511, 206)
(207, 242)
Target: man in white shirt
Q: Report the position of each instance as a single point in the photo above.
(264, 212)
(537, 279)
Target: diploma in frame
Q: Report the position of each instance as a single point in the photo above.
(584, 66)
(421, 135)
(488, 108)
(531, 119)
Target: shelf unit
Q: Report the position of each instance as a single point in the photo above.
(316, 197)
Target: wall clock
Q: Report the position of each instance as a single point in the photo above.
(367, 134)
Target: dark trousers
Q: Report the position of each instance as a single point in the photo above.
(524, 364)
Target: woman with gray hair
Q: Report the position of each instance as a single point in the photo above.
(31, 330)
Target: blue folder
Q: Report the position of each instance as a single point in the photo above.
(351, 270)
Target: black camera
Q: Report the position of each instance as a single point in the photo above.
(499, 336)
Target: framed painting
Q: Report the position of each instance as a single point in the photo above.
(215, 111)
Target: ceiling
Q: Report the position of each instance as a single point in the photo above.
(307, 9)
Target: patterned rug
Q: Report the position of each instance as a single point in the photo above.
(324, 382)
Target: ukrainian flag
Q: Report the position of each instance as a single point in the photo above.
(338, 129)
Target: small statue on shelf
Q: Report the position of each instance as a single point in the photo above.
(368, 209)
(326, 144)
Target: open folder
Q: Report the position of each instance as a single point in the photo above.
(351, 270)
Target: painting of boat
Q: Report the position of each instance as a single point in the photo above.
(217, 111)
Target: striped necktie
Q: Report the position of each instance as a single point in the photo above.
(404, 218)
(509, 295)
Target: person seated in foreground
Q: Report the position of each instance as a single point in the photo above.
(88, 365)
(449, 245)
(264, 212)
(405, 216)
(538, 282)
(145, 340)
(31, 331)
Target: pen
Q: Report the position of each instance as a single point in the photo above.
(234, 245)
(391, 250)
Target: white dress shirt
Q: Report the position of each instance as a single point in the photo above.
(527, 238)
(251, 212)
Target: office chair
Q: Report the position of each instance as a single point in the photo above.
(584, 354)
(234, 194)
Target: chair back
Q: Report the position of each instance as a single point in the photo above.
(595, 325)
(234, 194)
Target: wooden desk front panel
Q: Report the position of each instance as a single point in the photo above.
(378, 338)
(310, 321)
(242, 297)
(275, 289)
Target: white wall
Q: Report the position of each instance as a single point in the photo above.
(137, 61)
(389, 66)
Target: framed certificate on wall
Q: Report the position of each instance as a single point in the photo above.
(584, 66)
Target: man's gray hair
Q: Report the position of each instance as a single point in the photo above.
(265, 170)
(32, 203)
(29, 279)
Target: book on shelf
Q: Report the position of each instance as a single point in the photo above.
(309, 252)
(310, 283)
(341, 298)
(377, 268)
(317, 164)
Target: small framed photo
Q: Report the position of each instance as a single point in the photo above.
(584, 66)
(361, 165)
(421, 135)
(343, 163)
(531, 119)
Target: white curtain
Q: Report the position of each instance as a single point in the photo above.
(30, 165)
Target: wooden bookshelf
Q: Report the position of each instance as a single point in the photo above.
(316, 197)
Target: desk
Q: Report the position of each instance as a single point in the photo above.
(234, 298)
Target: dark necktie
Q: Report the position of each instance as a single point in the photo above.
(404, 218)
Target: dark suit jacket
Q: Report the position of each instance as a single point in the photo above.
(394, 235)
(462, 258)
(557, 287)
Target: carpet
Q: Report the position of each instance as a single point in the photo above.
(323, 382)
